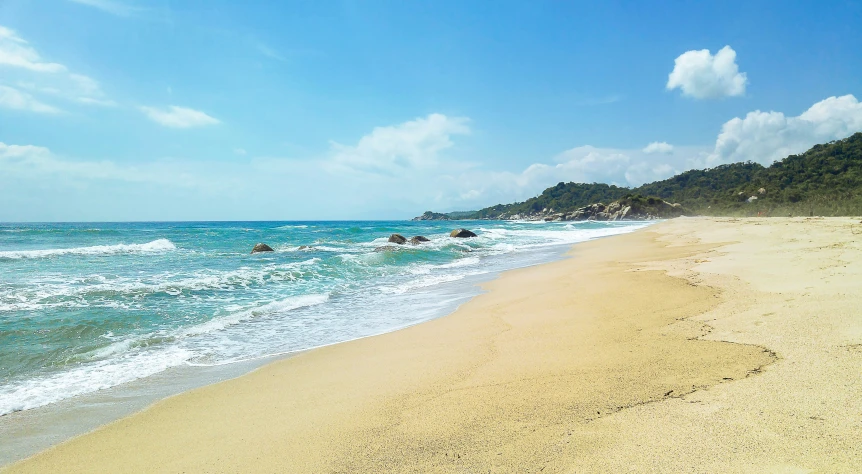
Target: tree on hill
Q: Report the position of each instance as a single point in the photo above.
(825, 180)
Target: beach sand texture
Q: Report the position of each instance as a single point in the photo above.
(696, 345)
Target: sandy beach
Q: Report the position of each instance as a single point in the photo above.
(695, 345)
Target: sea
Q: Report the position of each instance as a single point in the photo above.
(100, 319)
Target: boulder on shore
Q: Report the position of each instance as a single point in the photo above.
(462, 233)
(261, 247)
(397, 239)
(416, 240)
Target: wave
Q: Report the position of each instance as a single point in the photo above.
(269, 309)
(160, 245)
(132, 359)
(87, 378)
(97, 290)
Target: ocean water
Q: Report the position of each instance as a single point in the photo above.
(91, 306)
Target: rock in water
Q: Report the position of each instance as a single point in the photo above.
(461, 233)
(397, 239)
(262, 248)
(419, 239)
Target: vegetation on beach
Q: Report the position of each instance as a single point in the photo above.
(825, 180)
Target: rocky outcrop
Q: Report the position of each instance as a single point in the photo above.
(432, 216)
(629, 208)
(419, 239)
(397, 239)
(461, 233)
(261, 247)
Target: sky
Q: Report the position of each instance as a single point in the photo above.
(123, 110)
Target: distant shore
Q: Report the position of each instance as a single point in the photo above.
(696, 345)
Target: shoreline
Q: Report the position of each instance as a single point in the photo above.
(652, 348)
(41, 428)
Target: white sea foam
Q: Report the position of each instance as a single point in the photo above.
(88, 378)
(273, 308)
(45, 294)
(257, 318)
(126, 360)
(160, 245)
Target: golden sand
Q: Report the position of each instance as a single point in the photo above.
(697, 345)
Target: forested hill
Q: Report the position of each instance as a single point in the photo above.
(825, 180)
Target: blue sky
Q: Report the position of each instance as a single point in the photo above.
(199, 110)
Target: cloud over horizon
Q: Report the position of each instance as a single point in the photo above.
(765, 137)
(414, 144)
(658, 147)
(418, 165)
(701, 75)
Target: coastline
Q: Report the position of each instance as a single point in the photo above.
(646, 346)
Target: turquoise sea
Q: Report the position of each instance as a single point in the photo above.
(91, 306)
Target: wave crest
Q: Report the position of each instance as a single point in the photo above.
(159, 245)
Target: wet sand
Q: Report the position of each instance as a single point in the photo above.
(696, 345)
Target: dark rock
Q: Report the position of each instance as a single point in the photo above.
(397, 239)
(462, 233)
(305, 247)
(419, 239)
(262, 248)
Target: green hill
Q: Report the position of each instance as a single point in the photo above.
(825, 180)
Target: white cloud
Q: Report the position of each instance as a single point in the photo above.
(240, 151)
(16, 52)
(703, 76)
(111, 6)
(411, 145)
(12, 98)
(764, 137)
(179, 117)
(585, 164)
(73, 87)
(26, 69)
(30, 161)
(658, 147)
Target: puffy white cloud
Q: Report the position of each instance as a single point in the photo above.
(658, 147)
(179, 117)
(703, 76)
(12, 98)
(414, 144)
(764, 137)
